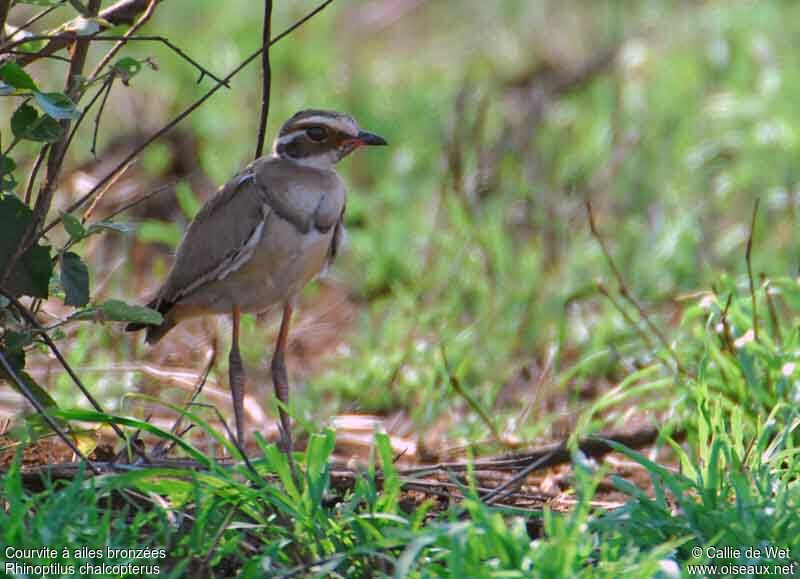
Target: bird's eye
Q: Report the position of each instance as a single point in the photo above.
(317, 134)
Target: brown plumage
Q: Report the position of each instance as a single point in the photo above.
(263, 236)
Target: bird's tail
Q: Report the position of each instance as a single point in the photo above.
(154, 332)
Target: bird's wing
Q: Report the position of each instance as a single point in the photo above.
(305, 197)
(221, 237)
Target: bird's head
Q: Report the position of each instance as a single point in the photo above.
(320, 138)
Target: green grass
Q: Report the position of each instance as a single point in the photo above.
(696, 119)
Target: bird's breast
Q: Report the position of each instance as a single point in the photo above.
(283, 262)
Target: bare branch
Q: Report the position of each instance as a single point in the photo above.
(121, 40)
(5, 6)
(130, 32)
(266, 78)
(123, 12)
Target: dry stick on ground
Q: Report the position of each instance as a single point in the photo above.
(748, 260)
(412, 478)
(266, 79)
(180, 117)
(626, 294)
(556, 453)
(23, 387)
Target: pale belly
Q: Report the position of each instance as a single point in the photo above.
(284, 261)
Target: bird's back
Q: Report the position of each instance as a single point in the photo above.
(253, 231)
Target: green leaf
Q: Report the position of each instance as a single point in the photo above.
(57, 105)
(155, 231)
(16, 341)
(128, 66)
(101, 226)
(22, 120)
(7, 167)
(47, 130)
(119, 311)
(31, 274)
(74, 227)
(75, 279)
(14, 75)
(187, 200)
(27, 124)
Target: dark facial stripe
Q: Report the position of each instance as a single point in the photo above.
(294, 148)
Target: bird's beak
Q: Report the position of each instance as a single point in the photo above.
(365, 138)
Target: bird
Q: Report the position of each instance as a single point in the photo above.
(260, 239)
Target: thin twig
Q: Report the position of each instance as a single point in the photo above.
(121, 40)
(50, 56)
(557, 453)
(82, 116)
(122, 12)
(748, 260)
(144, 17)
(515, 481)
(626, 294)
(88, 213)
(266, 79)
(185, 113)
(5, 6)
(34, 172)
(106, 90)
(143, 198)
(23, 387)
(601, 287)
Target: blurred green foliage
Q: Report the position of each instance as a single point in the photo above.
(469, 236)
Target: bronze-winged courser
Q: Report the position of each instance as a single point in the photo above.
(261, 238)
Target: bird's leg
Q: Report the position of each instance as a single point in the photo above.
(236, 378)
(281, 381)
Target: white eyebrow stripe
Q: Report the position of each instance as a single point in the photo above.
(319, 120)
(289, 137)
(341, 124)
